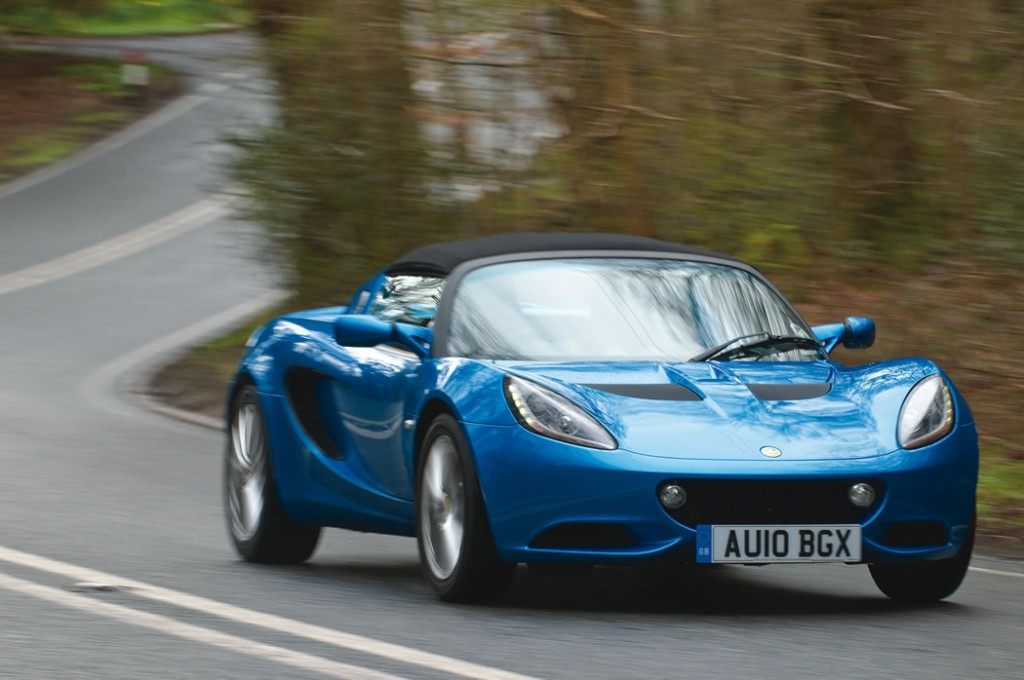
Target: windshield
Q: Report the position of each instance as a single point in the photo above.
(615, 309)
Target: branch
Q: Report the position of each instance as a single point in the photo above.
(791, 57)
(866, 100)
(585, 12)
(954, 96)
(456, 61)
(651, 113)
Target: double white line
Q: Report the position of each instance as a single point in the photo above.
(234, 643)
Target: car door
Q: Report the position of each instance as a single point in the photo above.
(371, 401)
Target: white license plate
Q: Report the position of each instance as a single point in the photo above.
(778, 543)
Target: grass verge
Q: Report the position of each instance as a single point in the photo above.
(126, 17)
(52, 105)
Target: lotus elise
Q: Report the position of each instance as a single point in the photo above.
(582, 399)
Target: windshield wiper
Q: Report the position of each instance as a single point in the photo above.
(781, 343)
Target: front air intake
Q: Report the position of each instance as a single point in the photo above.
(771, 501)
(585, 536)
(914, 534)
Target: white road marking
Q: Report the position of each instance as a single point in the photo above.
(98, 387)
(278, 624)
(187, 631)
(996, 572)
(185, 220)
(175, 109)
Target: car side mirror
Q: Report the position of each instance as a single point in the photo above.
(364, 330)
(857, 332)
(415, 338)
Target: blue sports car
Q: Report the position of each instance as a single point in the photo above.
(595, 399)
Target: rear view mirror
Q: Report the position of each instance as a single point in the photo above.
(857, 332)
(364, 330)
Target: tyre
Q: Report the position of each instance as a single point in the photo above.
(920, 582)
(259, 527)
(456, 546)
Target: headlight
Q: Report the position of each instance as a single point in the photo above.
(927, 413)
(542, 411)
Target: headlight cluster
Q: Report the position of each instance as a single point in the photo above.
(542, 411)
(927, 413)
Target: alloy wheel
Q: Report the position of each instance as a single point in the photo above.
(246, 472)
(443, 510)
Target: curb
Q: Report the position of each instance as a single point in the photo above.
(138, 394)
(127, 377)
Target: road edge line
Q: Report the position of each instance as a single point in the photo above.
(102, 385)
(173, 109)
(997, 572)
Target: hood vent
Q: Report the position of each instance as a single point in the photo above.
(660, 392)
(788, 391)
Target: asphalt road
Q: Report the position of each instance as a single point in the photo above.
(114, 561)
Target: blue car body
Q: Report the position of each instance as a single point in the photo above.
(346, 423)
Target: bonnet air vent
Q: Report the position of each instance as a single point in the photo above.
(788, 392)
(661, 392)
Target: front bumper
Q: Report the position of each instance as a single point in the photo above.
(548, 501)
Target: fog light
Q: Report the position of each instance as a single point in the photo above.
(672, 496)
(861, 495)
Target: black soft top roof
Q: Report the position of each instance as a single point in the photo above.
(440, 259)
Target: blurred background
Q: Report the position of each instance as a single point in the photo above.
(868, 155)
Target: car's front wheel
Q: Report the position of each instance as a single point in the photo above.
(260, 529)
(454, 537)
(920, 582)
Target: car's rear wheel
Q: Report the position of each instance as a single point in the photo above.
(920, 582)
(454, 536)
(260, 529)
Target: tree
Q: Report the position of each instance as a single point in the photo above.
(341, 179)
